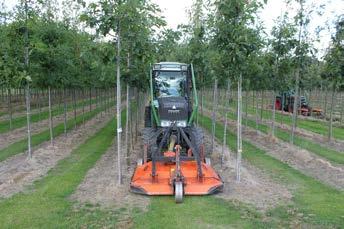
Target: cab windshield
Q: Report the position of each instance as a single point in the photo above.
(169, 83)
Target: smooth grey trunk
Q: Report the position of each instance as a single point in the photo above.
(9, 107)
(50, 117)
(341, 103)
(226, 110)
(65, 112)
(295, 106)
(325, 102)
(28, 120)
(119, 126)
(246, 106)
(273, 114)
(257, 115)
(330, 128)
(213, 118)
(137, 117)
(239, 130)
(83, 106)
(261, 105)
(26, 59)
(74, 107)
(127, 128)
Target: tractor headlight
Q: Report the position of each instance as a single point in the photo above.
(181, 123)
(165, 123)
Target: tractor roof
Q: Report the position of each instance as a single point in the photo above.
(170, 66)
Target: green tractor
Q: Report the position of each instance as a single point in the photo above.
(173, 160)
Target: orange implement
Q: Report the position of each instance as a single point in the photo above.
(162, 184)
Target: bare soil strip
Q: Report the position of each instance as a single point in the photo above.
(18, 171)
(308, 163)
(255, 188)
(18, 134)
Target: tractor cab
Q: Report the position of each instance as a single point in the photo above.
(171, 85)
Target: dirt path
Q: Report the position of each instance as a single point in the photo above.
(336, 144)
(255, 188)
(17, 172)
(15, 135)
(306, 162)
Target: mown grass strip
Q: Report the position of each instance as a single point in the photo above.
(199, 212)
(36, 139)
(310, 195)
(329, 154)
(21, 121)
(48, 206)
(315, 126)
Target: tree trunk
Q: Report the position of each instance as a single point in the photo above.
(226, 110)
(246, 106)
(295, 105)
(127, 128)
(65, 111)
(119, 129)
(28, 120)
(137, 117)
(213, 121)
(74, 107)
(10, 106)
(239, 131)
(262, 105)
(273, 114)
(325, 103)
(330, 128)
(341, 103)
(83, 106)
(50, 117)
(257, 116)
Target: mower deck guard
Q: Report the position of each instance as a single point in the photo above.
(143, 183)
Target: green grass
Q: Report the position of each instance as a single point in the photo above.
(21, 121)
(309, 195)
(199, 212)
(48, 206)
(329, 154)
(314, 126)
(36, 139)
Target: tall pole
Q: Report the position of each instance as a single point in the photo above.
(50, 118)
(119, 127)
(224, 143)
(213, 127)
(239, 130)
(26, 59)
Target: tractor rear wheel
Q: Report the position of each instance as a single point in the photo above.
(149, 138)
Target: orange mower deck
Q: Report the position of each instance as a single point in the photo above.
(142, 182)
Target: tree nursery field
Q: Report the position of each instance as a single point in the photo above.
(109, 118)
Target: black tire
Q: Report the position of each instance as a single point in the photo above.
(149, 138)
(148, 117)
(197, 138)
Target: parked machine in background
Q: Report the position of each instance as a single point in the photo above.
(285, 101)
(173, 160)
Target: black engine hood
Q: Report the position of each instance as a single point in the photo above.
(173, 108)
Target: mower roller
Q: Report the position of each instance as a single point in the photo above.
(173, 160)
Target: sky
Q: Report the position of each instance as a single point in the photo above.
(175, 12)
